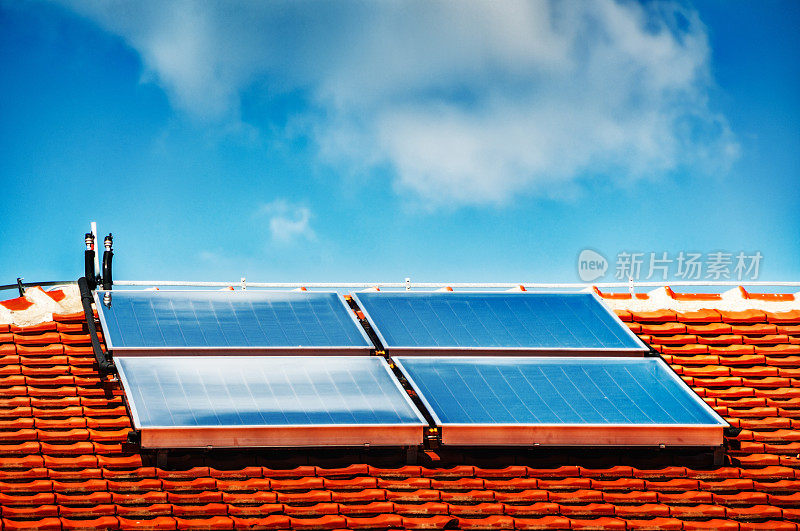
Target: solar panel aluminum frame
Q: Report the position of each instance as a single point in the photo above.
(278, 436)
(233, 351)
(532, 435)
(282, 436)
(516, 351)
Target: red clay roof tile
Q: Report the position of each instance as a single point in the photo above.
(360, 496)
(274, 521)
(769, 525)
(563, 471)
(655, 524)
(421, 509)
(687, 497)
(323, 522)
(101, 522)
(17, 304)
(545, 522)
(715, 523)
(588, 509)
(522, 497)
(602, 523)
(700, 316)
(790, 317)
(531, 509)
(576, 496)
(249, 511)
(490, 522)
(29, 500)
(30, 512)
(298, 472)
(475, 510)
(158, 523)
(709, 329)
(658, 316)
(371, 508)
(382, 521)
(470, 496)
(43, 524)
(697, 511)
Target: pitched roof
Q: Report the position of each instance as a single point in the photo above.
(65, 463)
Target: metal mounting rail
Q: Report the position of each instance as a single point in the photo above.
(33, 284)
(464, 285)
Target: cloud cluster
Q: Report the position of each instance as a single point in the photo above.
(287, 222)
(465, 102)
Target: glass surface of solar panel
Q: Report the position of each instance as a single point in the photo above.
(278, 391)
(228, 319)
(503, 321)
(555, 391)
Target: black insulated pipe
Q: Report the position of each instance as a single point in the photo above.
(88, 261)
(104, 366)
(108, 255)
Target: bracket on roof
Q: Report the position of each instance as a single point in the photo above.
(104, 365)
(161, 458)
(133, 442)
(651, 352)
(731, 431)
(718, 458)
(20, 287)
(412, 455)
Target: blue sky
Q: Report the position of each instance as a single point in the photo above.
(378, 141)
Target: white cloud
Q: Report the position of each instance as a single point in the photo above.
(466, 102)
(287, 222)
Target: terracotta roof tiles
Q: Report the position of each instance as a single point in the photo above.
(65, 462)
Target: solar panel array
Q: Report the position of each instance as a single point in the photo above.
(554, 390)
(416, 321)
(228, 399)
(228, 319)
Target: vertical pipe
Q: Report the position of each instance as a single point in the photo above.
(103, 365)
(108, 255)
(88, 261)
(96, 256)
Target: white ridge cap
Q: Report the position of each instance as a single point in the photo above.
(42, 306)
(731, 300)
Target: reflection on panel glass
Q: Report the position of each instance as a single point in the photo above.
(555, 390)
(263, 391)
(232, 319)
(495, 321)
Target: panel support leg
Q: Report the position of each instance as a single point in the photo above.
(412, 454)
(719, 456)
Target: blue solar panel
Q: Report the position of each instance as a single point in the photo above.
(416, 321)
(171, 320)
(555, 391)
(237, 391)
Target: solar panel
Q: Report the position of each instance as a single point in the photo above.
(145, 322)
(561, 401)
(447, 322)
(267, 401)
